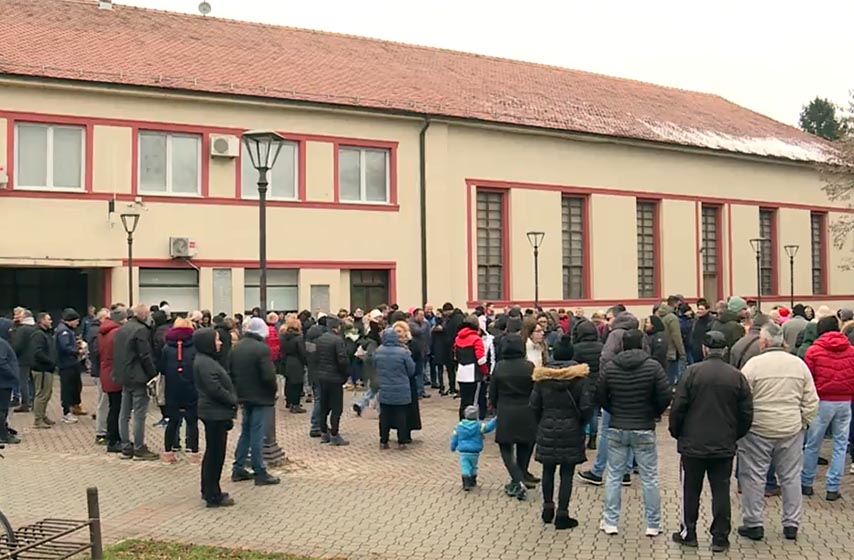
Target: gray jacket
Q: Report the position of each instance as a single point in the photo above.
(791, 329)
(614, 344)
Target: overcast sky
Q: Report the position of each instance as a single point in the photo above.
(769, 55)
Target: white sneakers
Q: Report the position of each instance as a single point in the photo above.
(69, 419)
(612, 530)
(652, 532)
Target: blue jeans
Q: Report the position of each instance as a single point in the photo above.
(675, 369)
(315, 407)
(837, 415)
(468, 463)
(620, 444)
(598, 467)
(593, 423)
(251, 442)
(419, 376)
(365, 400)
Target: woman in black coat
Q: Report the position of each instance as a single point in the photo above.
(562, 403)
(293, 359)
(509, 394)
(588, 350)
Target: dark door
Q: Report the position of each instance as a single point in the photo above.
(43, 289)
(368, 289)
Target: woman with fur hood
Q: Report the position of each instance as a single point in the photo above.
(562, 403)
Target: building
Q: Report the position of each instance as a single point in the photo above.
(411, 173)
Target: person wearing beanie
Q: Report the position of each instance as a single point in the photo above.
(106, 344)
(467, 440)
(254, 375)
(562, 403)
(69, 365)
(794, 327)
(729, 321)
(831, 361)
(21, 341)
(471, 357)
(712, 409)
(633, 388)
(333, 366)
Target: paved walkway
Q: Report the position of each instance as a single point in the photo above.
(358, 502)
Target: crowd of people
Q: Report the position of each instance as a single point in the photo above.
(759, 390)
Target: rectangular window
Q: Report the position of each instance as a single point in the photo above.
(711, 252)
(818, 241)
(222, 291)
(363, 174)
(647, 223)
(767, 231)
(170, 163)
(283, 178)
(368, 289)
(573, 247)
(282, 288)
(49, 156)
(179, 287)
(490, 245)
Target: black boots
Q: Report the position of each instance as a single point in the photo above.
(548, 512)
(591, 442)
(467, 484)
(564, 521)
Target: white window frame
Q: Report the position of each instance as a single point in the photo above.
(363, 183)
(49, 158)
(169, 136)
(245, 160)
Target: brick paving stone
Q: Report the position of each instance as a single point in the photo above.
(362, 503)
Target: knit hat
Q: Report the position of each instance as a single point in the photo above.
(736, 304)
(470, 412)
(118, 315)
(563, 349)
(798, 310)
(783, 311)
(714, 339)
(70, 314)
(257, 326)
(332, 322)
(375, 315)
(846, 315)
(514, 325)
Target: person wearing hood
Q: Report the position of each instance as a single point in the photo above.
(113, 391)
(831, 361)
(42, 358)
(562, 403)
(176, 364)
(675, 344)
(702, 325)
(21, 339)
(728, 321)
(471, 357)
(333, 368)
(9, 370)
(217, 407)
(633, 388)
(467, 440)
(394, 370)
(312, 333)
(70, 367)
(588, 350)
(292, 347)
(509, 396)
(224, 327)
(806, 339)
(254, 374)
(618, 326)
(656, 340)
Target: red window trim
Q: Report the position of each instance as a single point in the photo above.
(587, 278)
(719, 261)
(656, 244)
(505, 239)
(338, 143)
(823, 255)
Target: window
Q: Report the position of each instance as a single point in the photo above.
(368, 289)
(490, 245)
(711, 252)
(222, 302)
(818, 240)
(49, 156)
(169, 163)
(363, 174)
(647, 222)
(767, 231)
(282, 289)
(573, 247)
(282, 178)
(179, 287)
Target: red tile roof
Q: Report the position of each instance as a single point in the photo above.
(73, 39)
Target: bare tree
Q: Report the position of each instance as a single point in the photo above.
(838, 176)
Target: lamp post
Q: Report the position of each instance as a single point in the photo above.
(792, 252)
(756, 244)
(264, 147)
(535, 238)
(129, 222)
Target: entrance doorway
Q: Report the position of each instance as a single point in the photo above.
(50, 289)
(368, 289)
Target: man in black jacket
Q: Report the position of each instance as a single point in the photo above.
(711, 411)
(587, 350)
(21, 339)
(41, 355)
(133, 369)
(332, 365)
(702, 325)
(251, 367)
(633, 388)
(314, 332)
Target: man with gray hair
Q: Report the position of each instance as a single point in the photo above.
(785, 402)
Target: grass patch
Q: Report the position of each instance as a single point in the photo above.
(155, 550)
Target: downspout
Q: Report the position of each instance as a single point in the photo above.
(422, 162)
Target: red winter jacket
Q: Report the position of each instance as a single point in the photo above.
(273, 342)
(468, 349)
(831, 361)
(106, 339)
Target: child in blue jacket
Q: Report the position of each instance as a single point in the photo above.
(468, 440)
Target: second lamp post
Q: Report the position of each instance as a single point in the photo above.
(535, 238)
(792, 252)
(756, 244)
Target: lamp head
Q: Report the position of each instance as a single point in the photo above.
(791, 250)
(535, 238)
(263, 147)
(130, 221)
(756, 244)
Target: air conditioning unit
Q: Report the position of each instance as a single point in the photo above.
(182, 248)
(225, 146)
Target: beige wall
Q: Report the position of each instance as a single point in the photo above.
(678, 248)
(794, 229)
(614, 256)
(745, 226)
(319, 172)
(535, 211)
(112, 170)
(840, 281)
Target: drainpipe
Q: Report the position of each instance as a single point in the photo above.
(422, 160)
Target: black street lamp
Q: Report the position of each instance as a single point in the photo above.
(535, 238)
(129, 222)
(792, 251)
(264, 147)
(756, 244)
